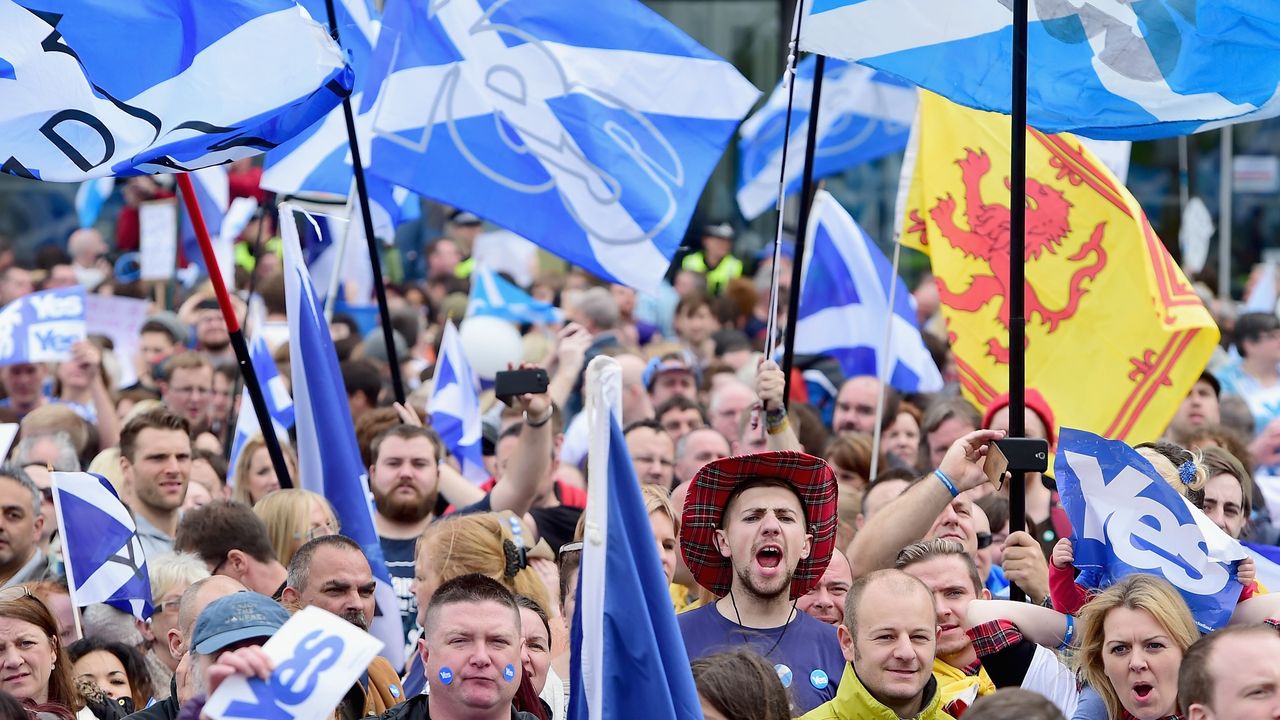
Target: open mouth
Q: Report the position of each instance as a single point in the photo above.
(769, 557)
(1143, 691)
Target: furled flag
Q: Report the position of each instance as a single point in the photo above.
(42, 326)
(492, 294)
(104, 558)
(587, 127)
(328, 457)
(1117, 70)
(844, 304)
(81, 97)
(90, 197)
(627, 658)
(863, 115)
(1127, 519)
(279, 404)
(454, 406)
(1104, 300)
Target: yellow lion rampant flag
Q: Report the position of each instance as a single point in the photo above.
(1115, 335)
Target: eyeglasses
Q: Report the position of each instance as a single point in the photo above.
(166, 606)
(318, 531)
(984, 540)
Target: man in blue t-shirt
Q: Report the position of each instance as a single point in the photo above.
(758, 531)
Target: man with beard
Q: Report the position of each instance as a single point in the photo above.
(759, 531)
(405, 484)
(212, 338)
(155, 462)
(332, 573)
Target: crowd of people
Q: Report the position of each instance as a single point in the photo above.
(804, 584)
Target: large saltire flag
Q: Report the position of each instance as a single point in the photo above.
(101, 87)
(1105, 68)
(1115, 335)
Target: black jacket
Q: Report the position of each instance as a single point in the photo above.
(166, 709)
(417, 709)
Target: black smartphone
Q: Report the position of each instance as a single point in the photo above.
(509, 383)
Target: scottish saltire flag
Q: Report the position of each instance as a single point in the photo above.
(90, 197)
(627, 657)
(587, 127)
(1267, 559)
(1118, 70)
(844, 304)
(42, 326)
(213, 195)
(1126, 519)
(98, 87)
(454, 406)
(863, 115)
(492, 294)
(100, 546)
(279, 404)
(328, 457)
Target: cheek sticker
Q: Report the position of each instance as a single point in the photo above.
(446, 675)
(509, 672)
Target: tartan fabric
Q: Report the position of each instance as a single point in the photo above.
(812, 480)
(993, 636)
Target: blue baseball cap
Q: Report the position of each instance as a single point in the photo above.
(235, 618)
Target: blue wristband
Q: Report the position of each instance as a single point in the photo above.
(1069, 634)
(946, 482)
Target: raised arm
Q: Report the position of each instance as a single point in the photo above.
(770, 386)
(530, 463)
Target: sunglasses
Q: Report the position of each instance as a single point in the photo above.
(16, 592)
(572, 547)
(984, 540)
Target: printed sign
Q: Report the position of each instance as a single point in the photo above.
(119, 318)
(318, 657)
(42, 327)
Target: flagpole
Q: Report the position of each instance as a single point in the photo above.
(366, 216)
(1017, 280)
(802, 228)
(235, 332)
(66, 556)
(884, 362)
(1225, 190)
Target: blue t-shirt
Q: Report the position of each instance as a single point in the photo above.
(805, 653)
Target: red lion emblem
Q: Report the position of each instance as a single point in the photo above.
(988, 238)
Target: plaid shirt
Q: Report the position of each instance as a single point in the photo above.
(993, 636)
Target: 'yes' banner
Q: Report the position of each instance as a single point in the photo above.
(1126, 519)
(42, 327)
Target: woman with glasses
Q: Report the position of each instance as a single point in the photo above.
(33, 664)
(171, 574)
(255, 477)
(293, 517)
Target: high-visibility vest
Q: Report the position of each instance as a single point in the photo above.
(718, 277)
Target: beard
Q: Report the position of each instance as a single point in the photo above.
(404, 510)
(761, 591)
(357, 618)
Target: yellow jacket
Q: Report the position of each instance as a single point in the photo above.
(854, 702)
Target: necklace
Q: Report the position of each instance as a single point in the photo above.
(738, 616)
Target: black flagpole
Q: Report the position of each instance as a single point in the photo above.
(362, 192)
(236, 332)
(1017, 244)
(802, 230)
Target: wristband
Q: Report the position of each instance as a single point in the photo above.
(540, 422)
(775, 418)
(946, 482)
(777, 429)
(1069, 634)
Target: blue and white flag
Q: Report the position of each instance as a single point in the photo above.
(863, 115)
(1267, 560)
(587, 127)
(279, 404)
(492, 294)
(328, 457)
(627, 657)
(213, 195)
(454, 406)
(1126, 519)
(1115, 70)
(844, 304)
(42, 326)
(104, 559)
(90, 197)
(98, 87)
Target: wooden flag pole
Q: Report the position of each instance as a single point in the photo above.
(1017, 276)
(235, 332)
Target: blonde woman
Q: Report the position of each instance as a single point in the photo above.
(255, 477)
(293, 517)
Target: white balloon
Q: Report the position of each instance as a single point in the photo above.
(490, 343)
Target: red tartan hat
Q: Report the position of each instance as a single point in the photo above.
(810, 477)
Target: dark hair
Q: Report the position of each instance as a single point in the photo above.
(642, 424)
(215, 460)
(996, 506)
(741, 684)
(300, 563)
(1195, 680)
(135, 666)
(406, 432)
(943, 409)
(1217, 461)
(471, 588)
(216, 528)
(680, 402)
(1251, 326)
(1014, 703)
(691, 303)
(527, 603)
(362, 377)
(161, 418)
(897, 473)
(568, 563)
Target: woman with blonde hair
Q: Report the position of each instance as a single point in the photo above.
(255, 477)
(293, 516)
